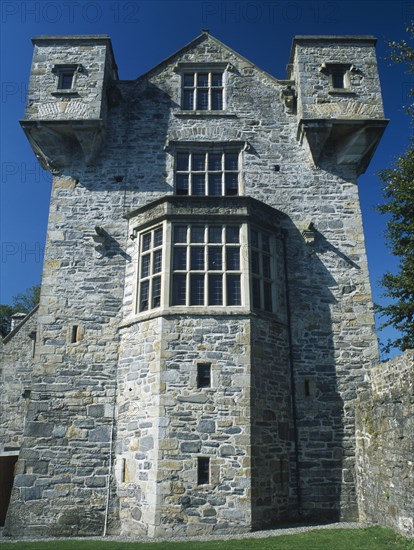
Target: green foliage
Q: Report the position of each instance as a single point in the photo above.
(318, 539)
(21, 303)
(399, 206)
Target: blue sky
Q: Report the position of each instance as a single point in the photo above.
(145, 33)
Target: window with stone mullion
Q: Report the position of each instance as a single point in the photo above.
(261, 270)
(206, 265)
(211, 174)
(203, 91)
(150, 268)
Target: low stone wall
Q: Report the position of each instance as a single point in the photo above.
(385, 446)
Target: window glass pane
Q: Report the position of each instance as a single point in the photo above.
(145, 265)
(214, 234)
(189, 79)
(198, 184)
(255, 262)
(256, 293)
(202, 79)
(338, 79)
(179, 290)
(266, 266)
(215, 290)
(214, 185)
(182, 184)
(196, 290)
(182, 161)
(202, 99)
(233, 290)
(157, 268)
(265, 243)
(231, 161)
(233, 258)
(180, 257)
(188, 99)
(146, 241)
(214, 161)
(232, 184)
(198, 162)
(158, 237)
(66, 80)
(203, 471)
(143, 300)
(180, 234)
(215, 257)
(197, 257)
(232, 234)
(267, 296)
(156, 292)
(197, 234)
(216, 100)
(216, 79)
(254, 238)
(203, 375)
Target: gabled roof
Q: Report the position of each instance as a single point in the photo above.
(204, 36)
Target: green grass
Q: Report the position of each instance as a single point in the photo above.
(372, 538)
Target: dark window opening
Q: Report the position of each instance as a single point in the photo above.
(307, 388)
(203, 470)
(74, 334)
(66, 80)
(203, 375)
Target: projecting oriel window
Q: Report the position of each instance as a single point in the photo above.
(150, 268)
(206, 265)
(199, 173)
(202, 91)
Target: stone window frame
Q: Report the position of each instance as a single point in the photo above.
(61, 70)
(198, 273)
(209, 69)
(208, 170)
(150, 268)
(333, 70)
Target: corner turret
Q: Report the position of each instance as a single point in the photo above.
(69, 91)
(339, 105)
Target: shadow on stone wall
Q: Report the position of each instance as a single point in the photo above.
(297, 465)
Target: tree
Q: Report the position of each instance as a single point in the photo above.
(21, 303)
(399, 194)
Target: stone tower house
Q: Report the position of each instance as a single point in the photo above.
(206, 316)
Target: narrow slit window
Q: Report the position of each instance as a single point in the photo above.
(74, 334)
(204, 375)
(203, 470)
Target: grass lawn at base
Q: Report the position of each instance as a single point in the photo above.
(372, 538)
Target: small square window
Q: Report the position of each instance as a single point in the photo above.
(66, 80)
(203, 470)
(203, 375)
(66, 76)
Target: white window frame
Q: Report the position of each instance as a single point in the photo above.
(167, 271)
(196, 89)
(206, 171)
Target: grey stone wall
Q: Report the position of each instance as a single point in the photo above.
(278, 423)
(385, 436)
(16, 365)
